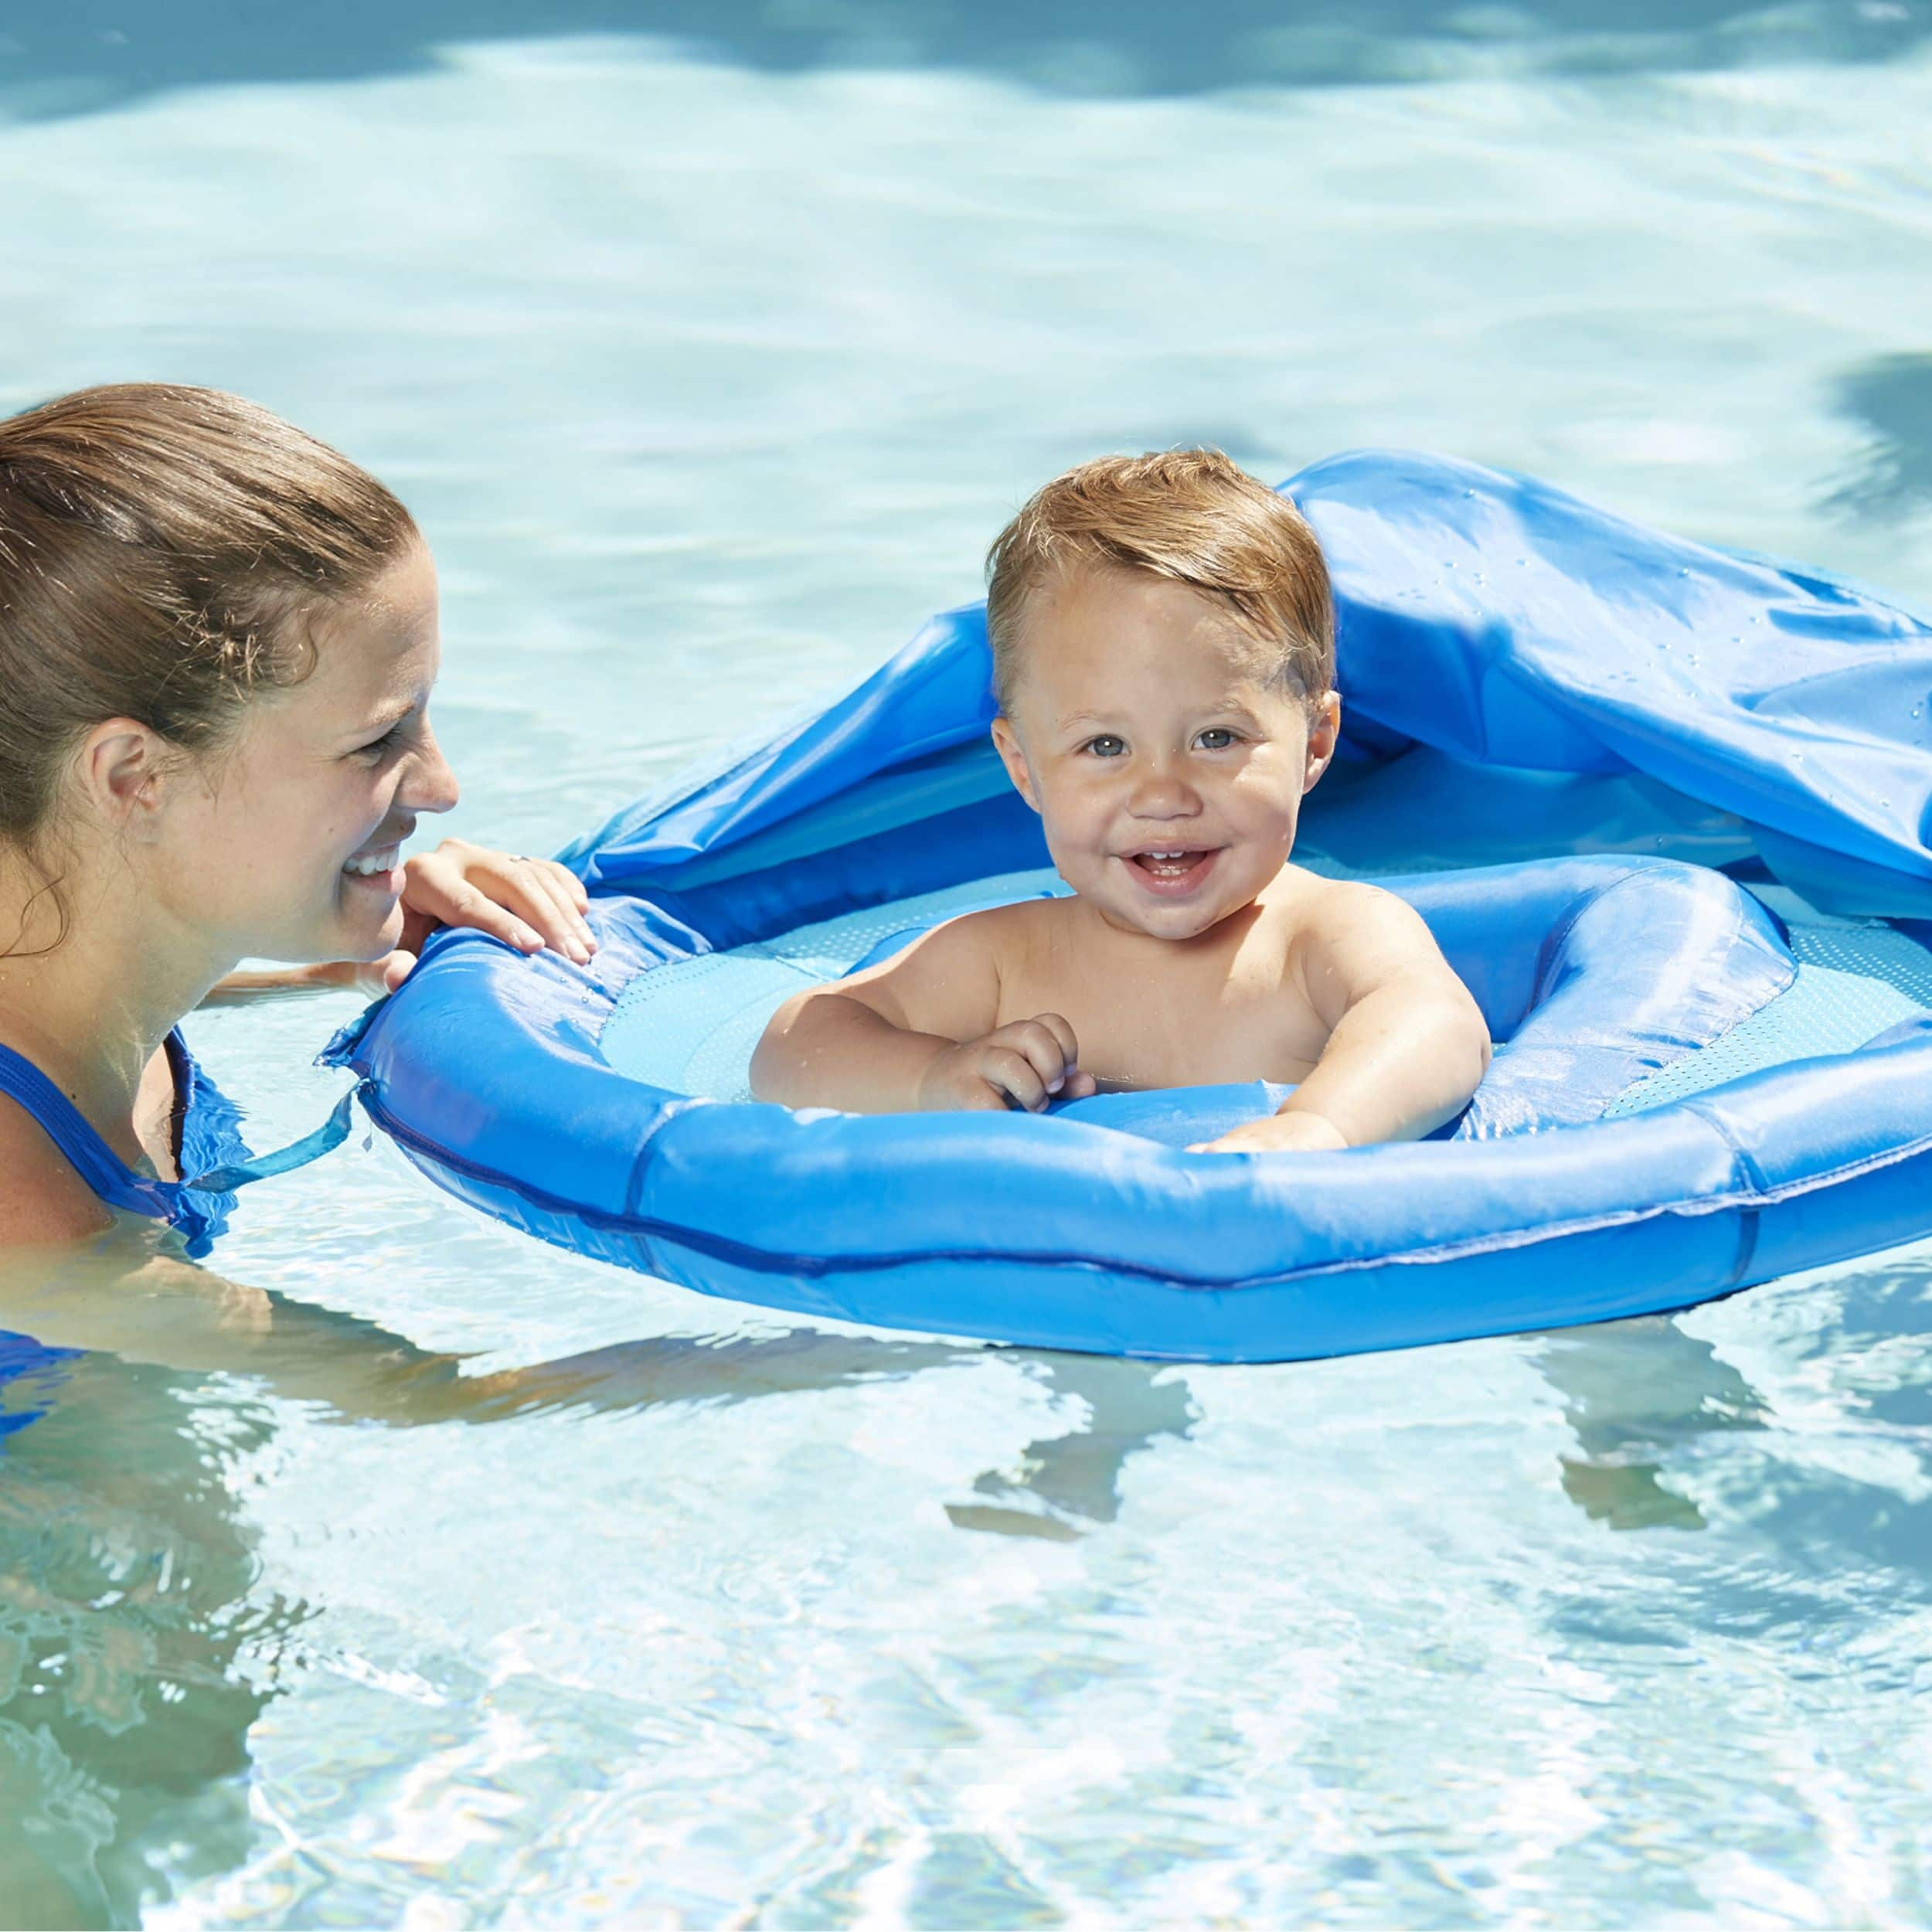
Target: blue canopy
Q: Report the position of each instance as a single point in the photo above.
(1502, 622)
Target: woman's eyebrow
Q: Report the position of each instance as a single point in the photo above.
(389, 716)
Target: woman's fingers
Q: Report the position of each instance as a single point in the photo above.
(565, 892)
(528, 902)
(537, 888)
(524, 887)
(463, 905)
(394, 969)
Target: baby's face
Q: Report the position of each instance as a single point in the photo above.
(1168, 769)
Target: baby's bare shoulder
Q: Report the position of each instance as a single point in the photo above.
(948, 979)
(1346, 919)
(997, 931)
(1007, 932)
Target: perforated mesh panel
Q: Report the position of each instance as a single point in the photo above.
(1853, 982)
(692, 1027)
(836, 945)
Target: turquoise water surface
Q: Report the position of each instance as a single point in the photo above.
(712, 345)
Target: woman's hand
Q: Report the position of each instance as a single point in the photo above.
(529, 903)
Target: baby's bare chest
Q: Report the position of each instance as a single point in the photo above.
(1197, 1024)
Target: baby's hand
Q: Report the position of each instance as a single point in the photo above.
(1279, 1133)
(528, 902)
(1024, 1063)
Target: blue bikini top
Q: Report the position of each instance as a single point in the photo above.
(213, 1151)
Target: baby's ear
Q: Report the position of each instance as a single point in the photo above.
(1324, 725)
(1006, 743)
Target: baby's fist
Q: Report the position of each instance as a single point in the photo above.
(1025, 1064)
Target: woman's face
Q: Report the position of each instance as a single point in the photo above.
(286, 844)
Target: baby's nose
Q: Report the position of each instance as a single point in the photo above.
(1163, 795)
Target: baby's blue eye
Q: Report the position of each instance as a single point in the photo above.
(1216, 738)
(1107, 747)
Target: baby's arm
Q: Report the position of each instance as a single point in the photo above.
(1407, 1045)
(918, 1031)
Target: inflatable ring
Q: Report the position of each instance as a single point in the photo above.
(1084, 1227)
(1697, 1086)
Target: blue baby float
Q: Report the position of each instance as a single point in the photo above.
(1662, 806)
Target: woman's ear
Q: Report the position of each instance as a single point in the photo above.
(1006, 742)
(1324, 725)
(120, 771)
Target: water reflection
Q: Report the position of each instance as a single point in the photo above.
(125, 1601)
(1890, 397)
(1634, 1391)
(1063, 1483)
(1828, 1470)
(92, 53)
(136, 1649)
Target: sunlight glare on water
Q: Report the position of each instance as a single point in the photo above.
(708, 376)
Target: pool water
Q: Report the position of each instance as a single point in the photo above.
(711, 345)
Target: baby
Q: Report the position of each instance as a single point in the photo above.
(1164, 657)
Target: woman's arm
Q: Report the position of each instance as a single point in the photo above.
(118, 1296)
(370, 979)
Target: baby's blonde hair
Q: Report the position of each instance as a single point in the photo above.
(1189, 515)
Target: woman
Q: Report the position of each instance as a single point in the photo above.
(218, 637)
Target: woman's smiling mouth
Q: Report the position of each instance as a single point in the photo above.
(377, 869)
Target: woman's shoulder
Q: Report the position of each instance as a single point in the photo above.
(42, 1197)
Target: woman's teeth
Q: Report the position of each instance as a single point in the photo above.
(368, 864)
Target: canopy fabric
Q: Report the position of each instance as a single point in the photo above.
(1502, 622)
(1499, 619)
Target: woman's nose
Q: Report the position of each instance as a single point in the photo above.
(432, 785)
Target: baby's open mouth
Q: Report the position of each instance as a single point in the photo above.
(1176, 871)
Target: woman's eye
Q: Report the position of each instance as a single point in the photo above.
(378, 749)
(1216, 738)
(1107, 747)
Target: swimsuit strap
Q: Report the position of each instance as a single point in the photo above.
(263, 1167)
(92, 1158)
(117, 1184)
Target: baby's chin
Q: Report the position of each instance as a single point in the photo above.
(1174, 923)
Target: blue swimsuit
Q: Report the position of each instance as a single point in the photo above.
(210, 1142)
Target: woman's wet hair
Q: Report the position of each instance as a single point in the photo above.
(164, 552)
(1189, 515)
